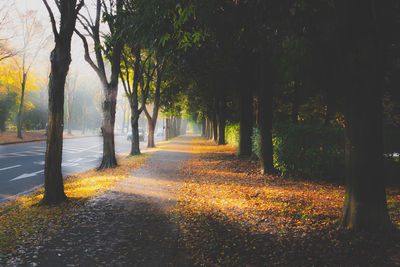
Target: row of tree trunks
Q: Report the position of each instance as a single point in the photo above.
(173, 127)
(213, 125)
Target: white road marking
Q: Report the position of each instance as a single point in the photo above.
(11, 167)
(39, 162)
(79, 150)
(26, 175)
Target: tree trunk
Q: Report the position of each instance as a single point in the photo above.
(246, 119)
(21, 105)
(215, 127)
(365, 206)
(107, 128)
(60, 59)
(221, 120)
(295, 102)
(265, 85)
(53, 180)
(135, 149)
(150, 138)
(203, 127)
(265, 125)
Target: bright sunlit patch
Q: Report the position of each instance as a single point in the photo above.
(22, 221)
(221, 191)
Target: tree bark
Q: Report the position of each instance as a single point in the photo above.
(135, 149)
(246, 125)
(60, 60)
(107, 127)
(150, 137)
(21, 106)
(264, 85)
(203, 127)
(265, 125)
(365, 206)
(110, 88)
(221, 120)
(215, 127)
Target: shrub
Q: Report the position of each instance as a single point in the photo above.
(232, 134)
(307, 150)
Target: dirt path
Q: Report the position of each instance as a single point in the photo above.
(128, 226)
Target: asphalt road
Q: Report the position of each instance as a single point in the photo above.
(22, 165)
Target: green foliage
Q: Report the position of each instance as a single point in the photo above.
(255, 142)
(232, 134)
(7, 101)
(309, 150)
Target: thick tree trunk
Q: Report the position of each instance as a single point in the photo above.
(53, 180)
(265, 115)
(107, 128)
(135, 149)
(150, 138)
(246, 122)
(365, 205)
(21, 106)
(265, 125)
(60, 59)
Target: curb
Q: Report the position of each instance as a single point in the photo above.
(43, 140)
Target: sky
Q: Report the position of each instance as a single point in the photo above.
(78, 64)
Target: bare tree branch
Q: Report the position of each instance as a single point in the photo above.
(52, 20)
(79, 6)
(88, 57)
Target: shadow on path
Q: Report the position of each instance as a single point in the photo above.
(127, 226)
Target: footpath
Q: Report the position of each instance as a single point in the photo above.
(191, 202)
(129, 225)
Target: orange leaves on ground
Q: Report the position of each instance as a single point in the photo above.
(22, 221)
(232, 215)
(11, 137)
(220, 184)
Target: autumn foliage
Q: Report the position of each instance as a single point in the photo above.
(23, 221)
(232, 215)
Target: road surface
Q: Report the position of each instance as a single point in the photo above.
(22, 165)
